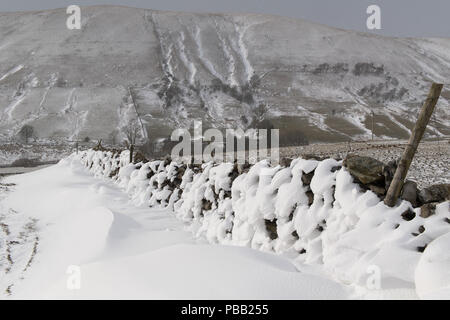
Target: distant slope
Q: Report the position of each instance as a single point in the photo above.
(309, 80)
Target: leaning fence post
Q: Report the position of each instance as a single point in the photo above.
(416, 135)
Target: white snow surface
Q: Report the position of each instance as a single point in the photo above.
(433, 272)
(128, 251)
(136, 233)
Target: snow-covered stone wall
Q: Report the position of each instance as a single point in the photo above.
(311, 210)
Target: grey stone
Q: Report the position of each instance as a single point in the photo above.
(285, 162)
(271, 227)
(310, 196)
(335, 168)
(312, 157)
(365, 169)
(243, 167)
(307, 177)
(435, 193)
(409, 192)
(428, 209)
(408, 215)
(206, 205)
(388, 172)
(380, 191)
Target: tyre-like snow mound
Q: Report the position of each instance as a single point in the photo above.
(433, 270)
(312, 210)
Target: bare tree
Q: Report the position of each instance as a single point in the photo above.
(26, 132)
(131, 131)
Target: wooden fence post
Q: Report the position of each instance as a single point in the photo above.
(131, 152)
(373, 120)
(416, 135)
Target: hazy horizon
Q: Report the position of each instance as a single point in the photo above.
(402, 18)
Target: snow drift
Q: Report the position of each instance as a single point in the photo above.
(312, 210)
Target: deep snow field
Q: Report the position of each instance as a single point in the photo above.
(62, 216)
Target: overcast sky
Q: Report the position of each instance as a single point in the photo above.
(413, 18)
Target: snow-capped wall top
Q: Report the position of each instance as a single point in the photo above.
(312, 210)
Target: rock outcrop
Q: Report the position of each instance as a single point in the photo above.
(367, 170)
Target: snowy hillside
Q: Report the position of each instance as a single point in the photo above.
(309, 80)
